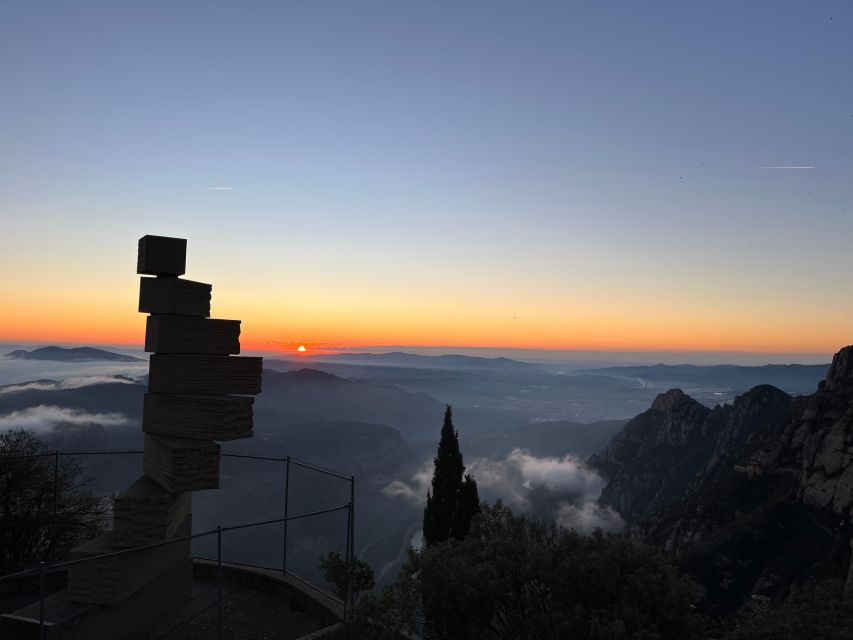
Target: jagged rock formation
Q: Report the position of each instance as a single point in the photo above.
(654, 456)
(747, 498)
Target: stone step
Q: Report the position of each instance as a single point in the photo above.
(115, 578)
(181, 464)
(174, 295)
(67, 620)
(146, 514)
(219, 418)
(204, 375)
(187, 334)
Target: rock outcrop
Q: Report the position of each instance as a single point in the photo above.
(747, 498)
(655, 455)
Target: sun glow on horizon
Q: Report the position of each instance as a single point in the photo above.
(301, 348)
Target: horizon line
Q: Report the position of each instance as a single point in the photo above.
(318, 348)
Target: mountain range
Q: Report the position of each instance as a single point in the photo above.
(748, 497)
(402, 359)
(793, 378)
(309, 395)
(71, 354)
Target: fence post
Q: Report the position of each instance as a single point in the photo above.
(52, 547)
(41, 601)
(348, 592)
(219, 579)
(352, 519)
(286, 496)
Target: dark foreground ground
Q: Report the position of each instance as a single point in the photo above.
(254, 607)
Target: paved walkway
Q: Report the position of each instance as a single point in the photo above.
(257, 604)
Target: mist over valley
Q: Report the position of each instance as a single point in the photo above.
(525, 429)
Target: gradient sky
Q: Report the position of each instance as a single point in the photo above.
(571, 175)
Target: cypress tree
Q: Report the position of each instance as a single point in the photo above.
(443, 516)
(467, 506)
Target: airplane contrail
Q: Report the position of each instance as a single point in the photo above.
(788, 167)
(220, 188)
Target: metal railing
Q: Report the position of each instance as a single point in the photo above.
(318, 517)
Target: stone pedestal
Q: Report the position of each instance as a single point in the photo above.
(115, 578)
(181, 464)
(147, 514)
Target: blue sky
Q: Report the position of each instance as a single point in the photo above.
(579, 161)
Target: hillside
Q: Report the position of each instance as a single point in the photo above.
(103, 396)
(310, 395)
(792, 378)
(345, 445)
(547, 439)
(71, 354)
(449, 361)
(749, 497)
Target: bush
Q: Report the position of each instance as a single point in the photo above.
(817, 610)
(513, 578)
(357, 577)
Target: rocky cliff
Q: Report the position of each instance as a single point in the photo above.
(747, 498)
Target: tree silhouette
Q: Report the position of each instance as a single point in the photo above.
(467, 506)
(453, 499)
(45, 508)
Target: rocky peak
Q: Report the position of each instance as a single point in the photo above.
(840, 374)
(823, 439)
(681, 417)
(651, 460)
(667, 401)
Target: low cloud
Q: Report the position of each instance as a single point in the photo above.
(588, 516)
(560, 474)
(399, 489)
(513, 478)
(415, 489)
(44, 417)
(574, 486)
(68, 383)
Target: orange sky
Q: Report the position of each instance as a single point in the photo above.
(338, 320)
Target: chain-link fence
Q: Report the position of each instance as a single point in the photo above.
(316, 508)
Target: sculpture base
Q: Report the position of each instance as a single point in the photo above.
(66, 620)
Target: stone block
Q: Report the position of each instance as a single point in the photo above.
(188, 334)
(162, 256)
(66, 620)
(113, 579)
(146, 513)
(204, 375)
(174, 295)
(202, 417)
(180, 464)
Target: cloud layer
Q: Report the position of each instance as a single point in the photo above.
(68, 383)
(44, 417)
(576, 487)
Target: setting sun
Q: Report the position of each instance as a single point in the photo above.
(301, 348)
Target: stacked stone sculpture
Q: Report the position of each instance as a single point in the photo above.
(197, 398)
